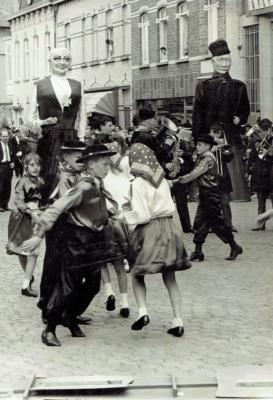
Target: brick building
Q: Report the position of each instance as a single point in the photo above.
(170, 40)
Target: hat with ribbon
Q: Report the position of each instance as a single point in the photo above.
(93, 151)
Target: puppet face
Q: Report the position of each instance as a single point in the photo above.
(99, 166)
(221, 64)
(72, 157)
(33, 168)
(60, 60)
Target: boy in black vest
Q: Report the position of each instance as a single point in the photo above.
(209, 213)
(85, 247)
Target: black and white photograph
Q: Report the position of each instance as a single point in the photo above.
(136, 199)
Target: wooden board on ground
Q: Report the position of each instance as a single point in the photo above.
(249, 381)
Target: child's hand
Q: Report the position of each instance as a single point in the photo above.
(28, 246)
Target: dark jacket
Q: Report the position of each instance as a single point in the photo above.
(223, 158)
(220, 99)
(261, 172)
(12, 158)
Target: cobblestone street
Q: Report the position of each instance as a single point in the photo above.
(227, 310)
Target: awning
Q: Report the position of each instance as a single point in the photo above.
(100, 102)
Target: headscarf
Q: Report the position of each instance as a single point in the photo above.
(143, 163)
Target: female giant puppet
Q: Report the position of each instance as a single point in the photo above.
(57, 106)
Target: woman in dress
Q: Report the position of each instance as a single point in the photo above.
(23, 217)
(156, 242)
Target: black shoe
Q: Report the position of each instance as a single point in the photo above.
(2, 209)
(258, 228)
(140, 323)
(124, 312)
(177, 331)
(234, 229)
(111, 303)
(81, 320)
(76, 330)
(197, 256)
(234, 253)
(50, 339)
(29, 292)
(188, 230)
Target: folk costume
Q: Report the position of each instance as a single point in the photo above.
(27, 200)
(219, 99)
(85, 248)
(209, 213)
(61, 98)
(156, 242)
(117, 184)
(68, 178)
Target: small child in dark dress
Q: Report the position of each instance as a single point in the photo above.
(23, 217)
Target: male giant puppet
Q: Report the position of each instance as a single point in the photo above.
(222, 99)
(57, 106)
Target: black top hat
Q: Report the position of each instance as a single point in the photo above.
(95, 150)
(219, 48)
(146, 112)
(206, 139)
(73, 145)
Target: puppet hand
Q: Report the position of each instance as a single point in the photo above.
(49, 121)
(236, 120)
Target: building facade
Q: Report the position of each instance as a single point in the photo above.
(5, 100)
(98, 34)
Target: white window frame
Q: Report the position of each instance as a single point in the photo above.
(183, 26)
(124, 25)
(36, 56)
(26, 58)
(144, 27)
(163, 33)
(17, 61)
(212, 10)
(8, 62)
(47, 52)
(109, 35)
(67, 36)
(95, 54)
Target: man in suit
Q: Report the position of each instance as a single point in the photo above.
(19, 149)
(57, 106)
(224, 100)
(6, 170)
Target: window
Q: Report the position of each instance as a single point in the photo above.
(252, 66)
(163, 32)
(212, 10)
(36, 56)
(83, 39)
(17, 61)
(144, 24)
(95, 37)
(183, 29)
(124, 28)
(26, 59)
(109, 35)
(8, 62)
(67, 36)
(47, 53)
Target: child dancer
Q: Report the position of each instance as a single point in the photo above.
(156, 243)
(27, 198)
(209, 213)
(85, 247)
(117, 184)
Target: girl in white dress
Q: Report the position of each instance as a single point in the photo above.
(156, 242)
